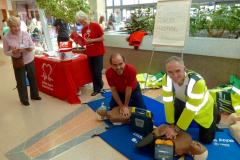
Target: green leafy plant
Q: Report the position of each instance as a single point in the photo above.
(198, 21)
(141, 19)
(216, 21)
(63, 9)
(233, 24)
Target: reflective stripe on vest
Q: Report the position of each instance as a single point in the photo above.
(168, 99)
(236, 108)
(236, 90)
(197, 108)
(168, 88)
(190, 88)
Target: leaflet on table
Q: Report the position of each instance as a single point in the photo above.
(64, 56)
(52, 53)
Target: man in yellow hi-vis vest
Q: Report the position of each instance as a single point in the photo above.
(186, 98)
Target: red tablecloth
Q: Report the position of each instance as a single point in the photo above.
(62, 79)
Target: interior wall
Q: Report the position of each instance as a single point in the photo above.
(215, 70)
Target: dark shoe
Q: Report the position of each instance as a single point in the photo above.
(95, 93)
(26, 103)
(102, 91)
(36, 98)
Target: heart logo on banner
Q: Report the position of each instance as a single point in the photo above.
(47, 71)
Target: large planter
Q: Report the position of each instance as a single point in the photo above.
(216, 32)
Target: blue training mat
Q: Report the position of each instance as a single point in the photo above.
(123, 139)
(154, 106)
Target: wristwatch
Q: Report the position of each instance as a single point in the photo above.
(177, 129)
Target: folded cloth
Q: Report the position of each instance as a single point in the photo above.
(136, 38)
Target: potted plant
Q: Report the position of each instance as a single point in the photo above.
(141, 19)
(217, 21)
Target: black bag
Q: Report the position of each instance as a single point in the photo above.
(141, 120)
(18, 62)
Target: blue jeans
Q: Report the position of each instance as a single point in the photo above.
(136, 99)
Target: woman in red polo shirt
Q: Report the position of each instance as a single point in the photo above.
(93, 36)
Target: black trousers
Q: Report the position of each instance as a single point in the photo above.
(20, 76)
(136, 99)
(96, 66)
(206, 135)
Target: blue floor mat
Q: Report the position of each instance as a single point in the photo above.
(123, 139)
(154, 106)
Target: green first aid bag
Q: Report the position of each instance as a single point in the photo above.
(222, 98)
(141, 120)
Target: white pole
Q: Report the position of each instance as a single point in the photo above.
(149, 67)
(45, 29)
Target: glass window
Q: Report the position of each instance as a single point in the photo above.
(129, 2)
(109, 2)
(117, 2)
(128, 15)
(118, 16)
(124, 15)
(109, 12)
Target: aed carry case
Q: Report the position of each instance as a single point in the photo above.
(141, 120)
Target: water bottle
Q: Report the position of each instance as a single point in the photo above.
(102, 107)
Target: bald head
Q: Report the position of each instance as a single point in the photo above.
(116, 55)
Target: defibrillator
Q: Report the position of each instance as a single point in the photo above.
(141, 120)
(164, 149)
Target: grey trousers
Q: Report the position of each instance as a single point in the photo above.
(20, 76)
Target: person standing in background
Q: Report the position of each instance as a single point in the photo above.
(102, 22)
(62, 31)
(23, 26)
(93, 34)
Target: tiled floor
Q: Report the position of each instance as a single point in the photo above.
(50, 128)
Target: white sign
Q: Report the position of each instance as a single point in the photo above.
(171, 23)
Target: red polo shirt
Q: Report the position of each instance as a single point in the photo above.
(93, 31)
(127, 79)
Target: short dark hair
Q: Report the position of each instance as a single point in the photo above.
(115, 55)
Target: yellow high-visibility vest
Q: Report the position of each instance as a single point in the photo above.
(199, 103)
(235, 97)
